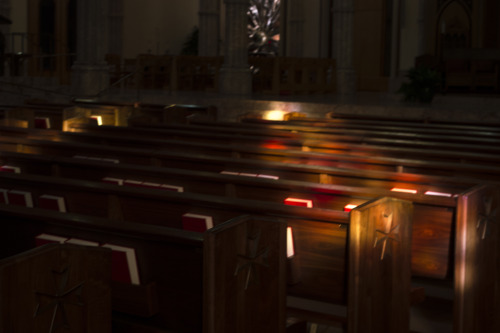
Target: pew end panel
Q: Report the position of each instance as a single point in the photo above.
(245, 291)
(54, 286)
(380, 267)
(320, 251)
(477, 256)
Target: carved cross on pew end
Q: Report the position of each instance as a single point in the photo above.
(252, 259)
(389, 233)
(59, 299)
(487, 217)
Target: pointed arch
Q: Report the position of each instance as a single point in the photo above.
(453, 26)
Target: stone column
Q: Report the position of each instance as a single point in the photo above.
(115, 27)
(235, 77)
(422, 27)
(395, 33)
(295, 36)
(90, 73)
(208, 35)
(343, 11)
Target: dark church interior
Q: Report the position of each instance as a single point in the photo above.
(250, 166)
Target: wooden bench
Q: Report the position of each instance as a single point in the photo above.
(384, 156)
(431, 211)
(288, 169)
(188, 279)
(335, 292)
(268, 152)
(55, 286)
(30, 115)
(316, 127)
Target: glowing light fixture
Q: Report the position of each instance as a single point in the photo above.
(404, 190)
(290, 250)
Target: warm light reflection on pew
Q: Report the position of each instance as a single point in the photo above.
(404, 190)
(290, 250)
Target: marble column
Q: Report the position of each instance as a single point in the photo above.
(208, 36)
(296, 21)
(343, 11)
(235, 77)
(90, 74)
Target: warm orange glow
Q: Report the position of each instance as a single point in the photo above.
(98, 118)
(273, 146)
(274, 115)
(438, 194)
(299, 202)
(404, 190)
(349, 207)
(290, 250)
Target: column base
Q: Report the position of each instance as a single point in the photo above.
(235, 81)
(89, 80)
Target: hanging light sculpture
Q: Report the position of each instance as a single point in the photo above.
(264, 26)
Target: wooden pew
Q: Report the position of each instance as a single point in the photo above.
(306, 126)
(188, 279)
(304, 232)
(481, 171)
(55, 286)
(430, 212)
(284, 170)
(477, 268)
(370, 216)
(363, 122)
(36, 115)
(457, 150)
(386, 156)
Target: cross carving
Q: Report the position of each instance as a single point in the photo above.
(390, 232)
(252, 258)
(486, 218)
(59, 299)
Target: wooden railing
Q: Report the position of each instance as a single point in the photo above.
(274, 75)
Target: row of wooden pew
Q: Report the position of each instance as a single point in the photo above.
(231, 187)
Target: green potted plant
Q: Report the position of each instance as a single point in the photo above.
(422, 85)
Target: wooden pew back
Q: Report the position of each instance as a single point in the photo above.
(56, 286)
(173, 294)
